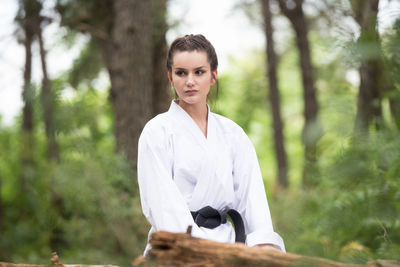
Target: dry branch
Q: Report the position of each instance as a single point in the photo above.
(170, 249)
(8, 264)
(55, 262)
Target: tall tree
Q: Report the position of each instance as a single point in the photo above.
(293, 10)
(369, 96)
(26, 18)
(274, 97)
(47, 95)
(394, 70)
(161, 89)
(47, 100)
(131, 35)
(130, 69)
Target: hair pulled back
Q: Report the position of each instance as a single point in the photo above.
(190, 43)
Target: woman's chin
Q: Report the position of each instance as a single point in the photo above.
(193, 100)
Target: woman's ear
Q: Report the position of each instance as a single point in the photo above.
(170, 77)
(214, 77)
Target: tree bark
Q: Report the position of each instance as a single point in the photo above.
(274, 98)
(312, 129)
(130, 67)
(28, 97)
(369, 97)
(161, 89)
(47, 98)
(169, 249)
(131, 34)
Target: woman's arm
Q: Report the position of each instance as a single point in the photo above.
(251, 198)
(268, 246)
(162, 203)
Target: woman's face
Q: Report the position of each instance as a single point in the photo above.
(191, 76)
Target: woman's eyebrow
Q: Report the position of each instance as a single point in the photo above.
(197, 68)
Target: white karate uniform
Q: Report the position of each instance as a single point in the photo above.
(180, 170)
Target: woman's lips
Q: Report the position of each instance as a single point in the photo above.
(190, 91)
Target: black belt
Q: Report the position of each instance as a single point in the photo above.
(209, 217)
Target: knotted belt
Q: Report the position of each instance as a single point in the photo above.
(209, 217)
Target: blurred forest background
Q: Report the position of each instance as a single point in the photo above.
(321, 105)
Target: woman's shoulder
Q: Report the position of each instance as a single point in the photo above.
(157, 126)
(233, 132)
(228, 125)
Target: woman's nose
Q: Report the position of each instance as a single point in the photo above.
(189, 81)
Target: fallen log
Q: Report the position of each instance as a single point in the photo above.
(169, 249)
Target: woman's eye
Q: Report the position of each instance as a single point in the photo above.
(180, 72)
(199, 72)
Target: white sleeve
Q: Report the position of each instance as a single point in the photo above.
(162, 202)
(250, 197)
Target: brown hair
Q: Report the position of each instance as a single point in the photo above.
(193, 43)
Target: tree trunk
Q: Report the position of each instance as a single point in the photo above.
(274, 97)
(131, 34)
(312, 130)
(161, 89)
(369, 103)
(28, 97)
(47, 98)
(130, 68)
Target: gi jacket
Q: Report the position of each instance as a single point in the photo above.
(181, 170)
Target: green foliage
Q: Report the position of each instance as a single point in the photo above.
(354, 214)
(370, 173)
(88, 202)
(85, 15)
(243, 98)
(392, 50)
(243, 90)
(87, 66)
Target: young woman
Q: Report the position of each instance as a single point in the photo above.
(198, 168)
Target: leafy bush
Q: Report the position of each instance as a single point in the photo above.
(86, 207)
(354, 214)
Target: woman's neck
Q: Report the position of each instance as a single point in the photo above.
(198, 112)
